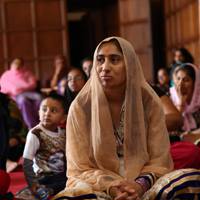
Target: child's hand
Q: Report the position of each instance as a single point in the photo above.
(182, 93)
(34, 187)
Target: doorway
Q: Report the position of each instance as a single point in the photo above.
(89, 22)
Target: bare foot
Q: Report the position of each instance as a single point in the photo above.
(11, 165)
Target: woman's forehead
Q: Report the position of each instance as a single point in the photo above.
(74, 72)
(108, 48)
(182, 72)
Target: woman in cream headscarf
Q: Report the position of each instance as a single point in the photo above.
(117, 141)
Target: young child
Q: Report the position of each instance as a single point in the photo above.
(44, 153)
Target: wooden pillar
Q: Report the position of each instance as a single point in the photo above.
(135, 26)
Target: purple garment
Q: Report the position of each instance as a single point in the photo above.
(29, 103)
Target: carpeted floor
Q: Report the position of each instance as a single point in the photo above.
(18, 181)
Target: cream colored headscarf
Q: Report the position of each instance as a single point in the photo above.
(91, 144)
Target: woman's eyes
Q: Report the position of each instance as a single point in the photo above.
(187, 80)
(184, 79)
(53, 110)
(100, 60)
(113, 59)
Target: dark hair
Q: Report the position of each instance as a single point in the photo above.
(68, 94)
(86, 59)
(53, 95)
(187, 56)
(188, 69)
(167, 70)
(80, 70)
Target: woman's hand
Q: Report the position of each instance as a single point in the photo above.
(182, 94)
(126, 190)
(58, 68)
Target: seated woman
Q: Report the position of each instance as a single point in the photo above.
(173, 117)
(86, 65)
(186, 95)
(180, 56)
(60, 70)
(75, 81)
(15, 131)
(19, 83)
(4, 146)
(115, 144)
(4, 136)
(59, 73)
(163, 80)
(184, 154)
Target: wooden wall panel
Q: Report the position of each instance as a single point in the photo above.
(20, 44)
(1, 48)
(1, 53)
(45, 66)
(182, 24)
(49, 43)
(135, 27)
(18, 20)
(30, 64)
(132, 32)
(1, 20)
(111, 24)
(1, 67)
(34, 30)
(48, 16)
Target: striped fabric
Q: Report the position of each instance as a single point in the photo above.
(93, 196)
(181, 184)
(146, 180)
(149, 177)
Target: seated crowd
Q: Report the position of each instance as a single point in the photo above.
(112, 132)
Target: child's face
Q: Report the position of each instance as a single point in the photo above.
(51, 113)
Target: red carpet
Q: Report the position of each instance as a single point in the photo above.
(17, 181)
